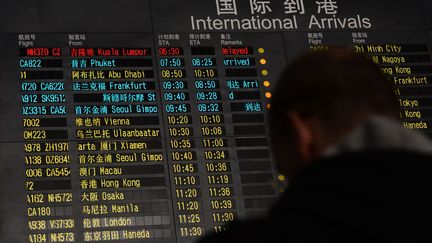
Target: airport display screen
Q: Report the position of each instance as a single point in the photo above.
(145, 121)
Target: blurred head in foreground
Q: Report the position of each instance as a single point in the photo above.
(320, 98)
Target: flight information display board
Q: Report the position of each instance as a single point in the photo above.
(145, 121)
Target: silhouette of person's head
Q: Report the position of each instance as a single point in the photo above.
(319, 99)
